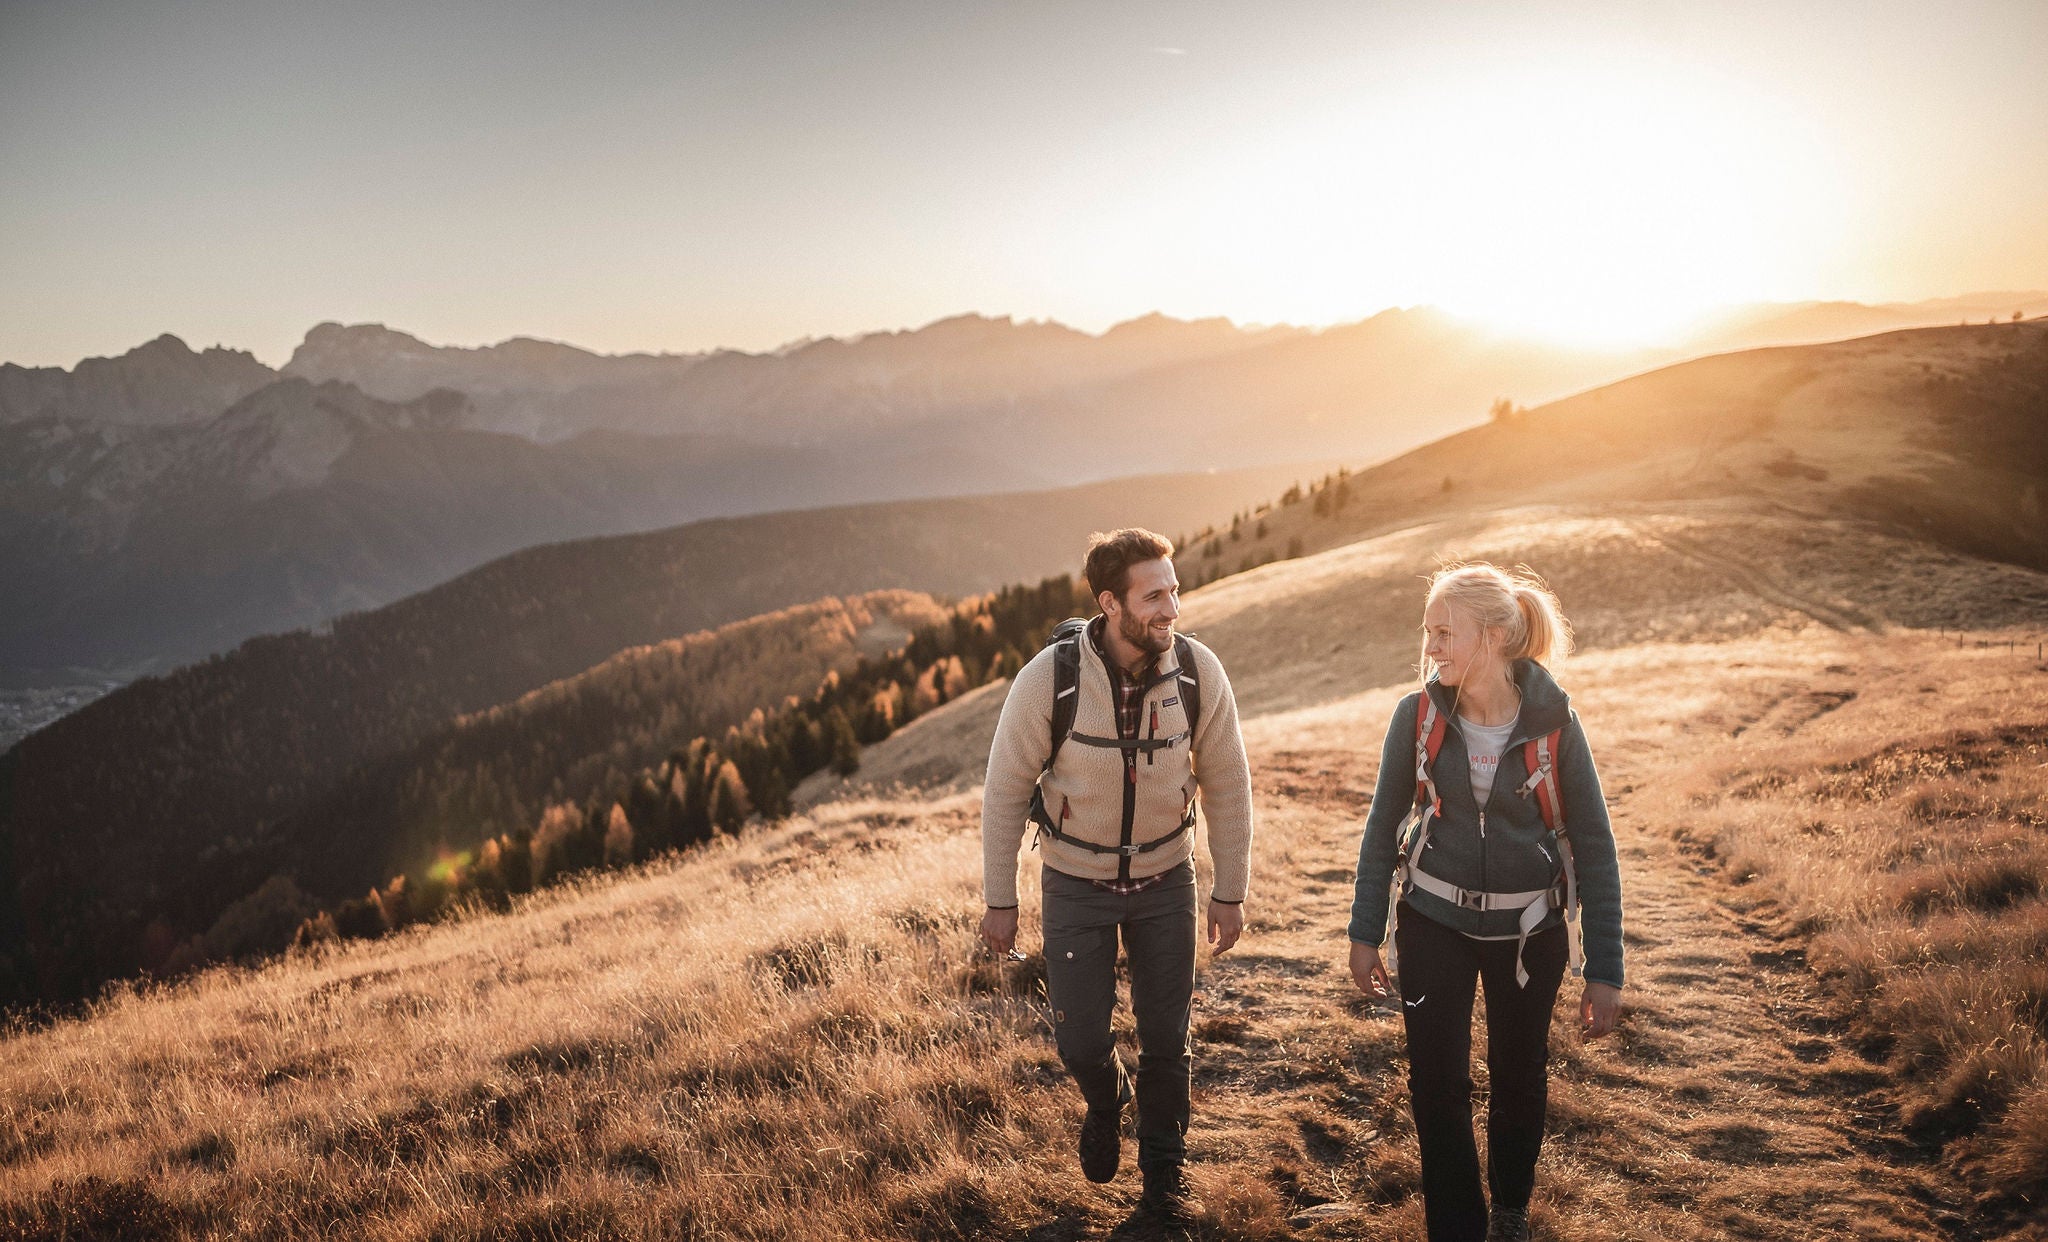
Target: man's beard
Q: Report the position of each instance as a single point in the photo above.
(1141, 636)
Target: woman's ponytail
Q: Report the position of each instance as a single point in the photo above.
(1546, 636)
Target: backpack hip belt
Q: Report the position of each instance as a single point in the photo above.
(1043, 820)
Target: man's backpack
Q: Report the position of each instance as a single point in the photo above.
(1540, 757)
(1066, 640)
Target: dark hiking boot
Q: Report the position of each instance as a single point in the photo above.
(1507, 1225)
(1168, 1197)
(1102, 1140)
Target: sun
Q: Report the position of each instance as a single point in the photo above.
(1597, 206)
(1580, 203)
(1600, 210)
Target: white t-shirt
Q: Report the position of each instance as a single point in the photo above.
(1484, 743)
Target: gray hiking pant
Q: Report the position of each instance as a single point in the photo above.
(1082, 923)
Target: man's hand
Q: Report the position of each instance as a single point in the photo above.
(999, 930)
(1369, 971)
(1598, 1009)
(1226, 924)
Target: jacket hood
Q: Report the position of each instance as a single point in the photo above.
(1545, 706)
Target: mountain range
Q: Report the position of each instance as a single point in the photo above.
(162, 506)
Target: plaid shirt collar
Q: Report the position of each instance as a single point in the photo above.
(1127, 690)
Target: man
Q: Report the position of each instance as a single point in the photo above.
(1114, 808)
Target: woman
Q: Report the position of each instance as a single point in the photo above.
(1484, 886)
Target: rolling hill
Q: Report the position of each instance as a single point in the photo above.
(225, 750)
(790, 1032)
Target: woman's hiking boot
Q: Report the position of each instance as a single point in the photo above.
(1508, 1225)
(1168, 1198)
(1102, 1140)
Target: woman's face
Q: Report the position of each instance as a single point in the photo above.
(1457, 645)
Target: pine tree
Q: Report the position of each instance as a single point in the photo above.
(618, 837)
(729, 803)
(844, 746)
(694, 822)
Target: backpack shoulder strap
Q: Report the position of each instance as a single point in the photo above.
(1066, 682)
(1190, 684)
(1539, 755)
(1430, 726)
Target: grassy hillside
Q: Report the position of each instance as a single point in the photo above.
(791, 1034)
(105, 816)
(1940, 434)
(1705, 571)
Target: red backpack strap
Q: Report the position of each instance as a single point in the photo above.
(1430, 725)
(1539, 755)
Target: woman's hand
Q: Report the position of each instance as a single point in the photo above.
(1369, 971)
(1598, 1009)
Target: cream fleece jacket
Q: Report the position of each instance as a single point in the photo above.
(1087, 783)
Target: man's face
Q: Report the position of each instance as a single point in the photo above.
(1145, 615)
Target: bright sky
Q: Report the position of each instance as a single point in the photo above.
(673, 176)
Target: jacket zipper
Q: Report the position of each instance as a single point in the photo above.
(1513, 744)
(1123, 860)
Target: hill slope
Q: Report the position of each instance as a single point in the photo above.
(790, 1034)
(226, 750)
(1329, 624)
(1937, 434)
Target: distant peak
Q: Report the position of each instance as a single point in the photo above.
(1150, 321)
(971, 321)
(1156, 322)
(165, 344)
(330, 334)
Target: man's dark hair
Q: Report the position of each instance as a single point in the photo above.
(1111, 556)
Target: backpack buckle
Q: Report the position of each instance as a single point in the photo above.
(1129, 851)
(1469, 899)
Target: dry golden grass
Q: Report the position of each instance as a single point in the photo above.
(791, 1035)
(1893, 804)
(784, 1037)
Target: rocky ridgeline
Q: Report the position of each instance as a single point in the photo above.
(162, 383)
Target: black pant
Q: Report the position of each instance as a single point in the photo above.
(1437, 970)
(1082, 923)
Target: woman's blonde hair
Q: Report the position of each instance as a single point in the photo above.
(1520, 604)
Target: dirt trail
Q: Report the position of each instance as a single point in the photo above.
(1729, 1105)
(1836, 616)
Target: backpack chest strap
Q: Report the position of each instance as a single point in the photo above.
(1143, 745)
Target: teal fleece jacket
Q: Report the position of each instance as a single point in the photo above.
(1516, 853)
